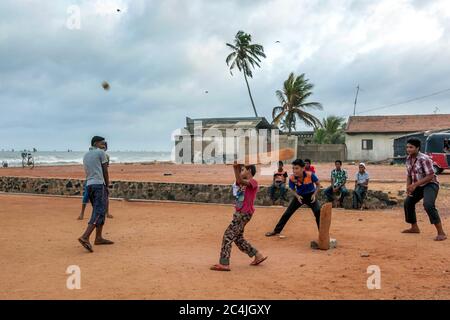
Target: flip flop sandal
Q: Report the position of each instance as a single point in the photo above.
(257, 262)
(86, 245)
(218, 267)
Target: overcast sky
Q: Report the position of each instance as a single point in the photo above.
(160, 58)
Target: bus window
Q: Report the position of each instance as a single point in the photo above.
(446, 146)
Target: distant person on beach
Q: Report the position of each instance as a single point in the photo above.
(244, 209)
(361, 186)
(278, 183)
(421, 183)
(97, 180)
(338, 180)
(309, 166)
(305, 186)
(85, 198)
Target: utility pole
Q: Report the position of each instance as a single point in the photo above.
(356, 100)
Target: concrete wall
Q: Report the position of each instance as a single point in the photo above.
(322, 152)
(208, 193)
(383, 146)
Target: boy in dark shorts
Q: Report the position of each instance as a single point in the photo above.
(84, 202)
(245, 197)
(97, 179)
(85, 198)
(278, 183)
(305, 186)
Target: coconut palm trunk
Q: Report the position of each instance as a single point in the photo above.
(250, 94)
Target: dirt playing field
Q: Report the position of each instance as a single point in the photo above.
(218, 174)
(163, 251)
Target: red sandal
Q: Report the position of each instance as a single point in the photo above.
(257, 262)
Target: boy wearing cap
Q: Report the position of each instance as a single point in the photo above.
(97, 179)
(361, 186)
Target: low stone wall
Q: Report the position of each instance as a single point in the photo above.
(162, 191)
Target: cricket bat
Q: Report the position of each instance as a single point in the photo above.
(268, 157)
(324, 228)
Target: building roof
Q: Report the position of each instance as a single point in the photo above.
(231, 123)
(398, 123)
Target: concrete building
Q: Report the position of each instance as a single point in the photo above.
(371, 138)
(204, 132)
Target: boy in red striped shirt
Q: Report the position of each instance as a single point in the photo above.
(245, 198)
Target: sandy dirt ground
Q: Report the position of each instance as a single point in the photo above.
(219, 174)
(163, 251)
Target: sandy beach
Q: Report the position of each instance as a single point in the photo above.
(163, 251)
(218, 174)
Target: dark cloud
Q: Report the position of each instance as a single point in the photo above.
(161, 57)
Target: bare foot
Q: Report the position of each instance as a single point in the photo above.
(440, 237)
(80, 217)
(86, 244)
(220, 267)
(110, 216)
(412, 230)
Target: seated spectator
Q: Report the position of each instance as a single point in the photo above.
(338, 181)
(278, 183)
(309, 167)
(361, 186)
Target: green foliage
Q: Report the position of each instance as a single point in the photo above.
(331, 132)
(293, 104)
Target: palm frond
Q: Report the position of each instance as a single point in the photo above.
(276, 120)
(307, 118)
(281, 96)
(313, 105)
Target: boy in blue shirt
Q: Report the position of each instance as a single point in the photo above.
(305, 186)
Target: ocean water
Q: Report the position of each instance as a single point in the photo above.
(47, 158)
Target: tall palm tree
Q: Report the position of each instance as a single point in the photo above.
(331, 132)
(293, 99)
(245, 56)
